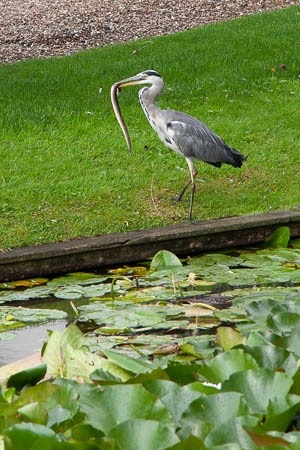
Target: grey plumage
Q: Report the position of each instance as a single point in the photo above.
(180, 132)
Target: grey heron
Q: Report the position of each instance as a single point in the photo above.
(180, 132)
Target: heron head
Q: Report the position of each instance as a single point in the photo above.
(146, 77)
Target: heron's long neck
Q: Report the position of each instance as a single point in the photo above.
(147, 97)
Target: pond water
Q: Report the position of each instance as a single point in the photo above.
(26, 341)
(166, 301)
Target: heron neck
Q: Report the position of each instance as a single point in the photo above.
(147, 97)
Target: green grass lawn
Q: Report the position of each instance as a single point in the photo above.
(65, 170)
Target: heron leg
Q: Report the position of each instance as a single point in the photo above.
(191, 180)
(192, 200)
(179, 196)
(193, 173)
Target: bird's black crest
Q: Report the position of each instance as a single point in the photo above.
(152, 73)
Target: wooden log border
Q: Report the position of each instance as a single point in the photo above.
(184, 239)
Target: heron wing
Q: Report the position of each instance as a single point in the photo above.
(195, 140)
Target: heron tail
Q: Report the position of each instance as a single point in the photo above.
(236, 158)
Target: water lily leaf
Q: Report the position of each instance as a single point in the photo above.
(99, 290)
(53, 354)
(220, 368)
(28, 294)
(295, 276)
(83, 434)
(23, 283)
(77, 278)
(259, 386)
(135, 345)
(263, 440)
(191, 443)
(215, 259)
(189, 349)
(145, 434)
(12, 318)
(281, 412)
(38, 393)
(34, 412)
(128, 319)
(262, 259)
(158, 292)
(166, 276)
(260, 310)
(62, 405)
(105, 409)
(133, 365)
(245, 277)
(164, 259)
(103, 377)
(69, 292)
(290, 341)
(137, 271)
(284, 321)
(194, 280)
(280, 255)
(232, 431)
(274, 277)
(62, 349)
(203, 344)
(30, 435)
(67, 355)
(125, 283)
(219, 408)
(273, 357)
(279, 238)
(272, 295)
(128, 316)
(249, 371)
(175, 398)
(227, 337)
(231, 315)
(28, 377)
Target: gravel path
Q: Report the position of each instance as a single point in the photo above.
(41, 28)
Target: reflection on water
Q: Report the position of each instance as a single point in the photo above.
(26, 341)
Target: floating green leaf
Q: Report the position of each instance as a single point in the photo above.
(284, 322)
(105, 409)
(11, 318)
(127, 363)
(220, 368)
(164, 260)
(143, 434)
(30, 436)
(279, 238)
(259, 386)
(34, 412)
(146, 366)
(227, 337)
(28, 377)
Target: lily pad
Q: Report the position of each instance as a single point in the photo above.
(12, 318)
(164, 259)
(279, 238)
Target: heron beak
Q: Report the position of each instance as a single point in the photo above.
(136, 79)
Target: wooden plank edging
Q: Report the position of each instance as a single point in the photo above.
(122, 248)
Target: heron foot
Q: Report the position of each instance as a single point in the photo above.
(177, 198)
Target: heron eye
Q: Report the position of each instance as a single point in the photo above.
(152, 73)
